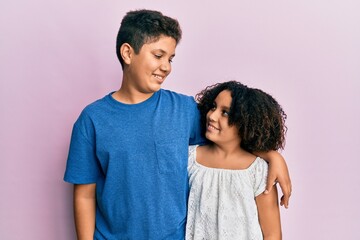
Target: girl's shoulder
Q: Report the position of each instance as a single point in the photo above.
(192, 149)
(192, 154)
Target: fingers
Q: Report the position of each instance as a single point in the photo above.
(285, 201)
(286, 189)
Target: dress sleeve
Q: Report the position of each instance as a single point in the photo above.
(192, 154)
(260, 172)
(82, 166)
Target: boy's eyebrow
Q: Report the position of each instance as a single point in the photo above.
(163, 51)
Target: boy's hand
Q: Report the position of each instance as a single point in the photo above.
(278, 172)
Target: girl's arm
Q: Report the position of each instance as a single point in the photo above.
(278, 172)
(269, 214)
(84, 210)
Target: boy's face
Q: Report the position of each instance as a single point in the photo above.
(148, 69)
(218, 129)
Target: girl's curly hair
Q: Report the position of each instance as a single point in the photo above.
(257, 115)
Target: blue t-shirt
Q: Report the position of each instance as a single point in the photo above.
(137, 156)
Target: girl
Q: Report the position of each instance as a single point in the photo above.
(226, 178)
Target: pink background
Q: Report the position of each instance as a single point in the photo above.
(58, 56)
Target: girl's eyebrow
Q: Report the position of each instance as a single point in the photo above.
(225, 108)
(222, 107)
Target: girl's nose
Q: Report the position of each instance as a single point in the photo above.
(213, 116)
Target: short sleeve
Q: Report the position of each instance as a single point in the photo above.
(260, 172)
(196, 136)
(82, 166)
(192, 154)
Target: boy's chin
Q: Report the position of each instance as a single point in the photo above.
(155, 88)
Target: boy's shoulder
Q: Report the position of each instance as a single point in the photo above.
(96, 106)
(173, 94)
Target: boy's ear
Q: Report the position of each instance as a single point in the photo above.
(126, 52)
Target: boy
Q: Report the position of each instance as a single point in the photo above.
(128, 151)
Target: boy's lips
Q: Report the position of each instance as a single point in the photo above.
(159, 78)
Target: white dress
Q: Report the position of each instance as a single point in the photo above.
(222, 201)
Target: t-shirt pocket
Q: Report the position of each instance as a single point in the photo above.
(172, 155)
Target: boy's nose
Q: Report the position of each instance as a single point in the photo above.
(165, 67)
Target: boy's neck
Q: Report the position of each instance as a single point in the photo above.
(130, 97)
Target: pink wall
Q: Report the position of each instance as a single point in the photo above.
(58, 56)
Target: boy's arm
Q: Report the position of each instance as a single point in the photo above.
(269, 215)
(84, 210)
(278, 172)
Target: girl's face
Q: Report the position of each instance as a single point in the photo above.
(218, 129)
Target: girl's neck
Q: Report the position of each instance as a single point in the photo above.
(226, 151)
(224, 157)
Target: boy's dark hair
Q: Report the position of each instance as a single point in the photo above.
(145, 26)
(258, 116)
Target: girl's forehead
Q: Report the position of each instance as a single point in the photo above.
(224, 97)
(224, 94)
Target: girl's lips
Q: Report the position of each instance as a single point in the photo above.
(211, 127)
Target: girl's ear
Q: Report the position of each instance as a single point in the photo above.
(126, 52)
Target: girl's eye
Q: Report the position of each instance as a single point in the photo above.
(170, 60)
(158, 56)
(225, 113)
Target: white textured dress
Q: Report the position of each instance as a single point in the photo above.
(222, 201)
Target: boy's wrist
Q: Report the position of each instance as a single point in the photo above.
(269, 156)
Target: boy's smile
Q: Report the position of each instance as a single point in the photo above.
(147, 70)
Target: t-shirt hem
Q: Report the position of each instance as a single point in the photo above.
(79, 181)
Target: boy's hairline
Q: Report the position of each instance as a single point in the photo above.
(151, 40)
(171, 28)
